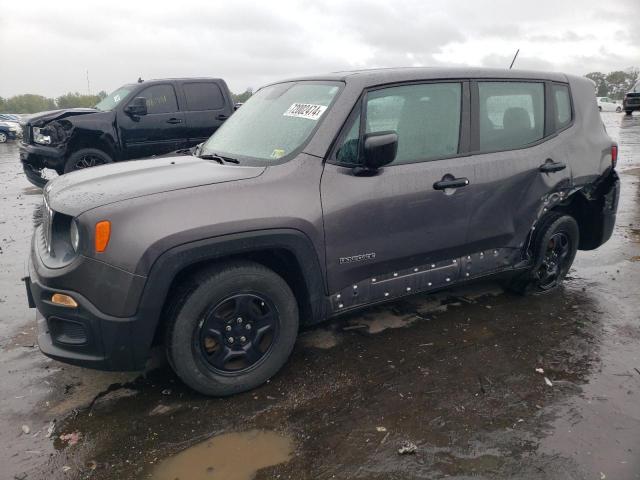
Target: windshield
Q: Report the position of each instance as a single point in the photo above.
(636, 88)
(109, 102)
(274, 122)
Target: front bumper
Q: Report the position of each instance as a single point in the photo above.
(42, 156)
(81, 336)
(86, 335)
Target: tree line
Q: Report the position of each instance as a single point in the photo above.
(30, 103)
(614, 84)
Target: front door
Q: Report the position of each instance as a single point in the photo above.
(161, 131)
(402, 229)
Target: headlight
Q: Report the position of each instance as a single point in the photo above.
(40, 138)
(74, 235)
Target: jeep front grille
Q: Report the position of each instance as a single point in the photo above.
(47, 225)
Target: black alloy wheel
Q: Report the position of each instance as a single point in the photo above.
(237, 334)
(87, 161)
(556, 261)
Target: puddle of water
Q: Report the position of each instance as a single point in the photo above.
(231, 456)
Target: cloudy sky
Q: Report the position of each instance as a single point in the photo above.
(47, 47)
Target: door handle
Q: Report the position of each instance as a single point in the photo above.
(174, 121)
(451, 183)
(222, 117)
(549, 166)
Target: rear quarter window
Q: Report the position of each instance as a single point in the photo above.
(562, 100)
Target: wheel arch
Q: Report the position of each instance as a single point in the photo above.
(290, 253)
(98, 141)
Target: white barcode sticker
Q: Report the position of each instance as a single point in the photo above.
(305, 110)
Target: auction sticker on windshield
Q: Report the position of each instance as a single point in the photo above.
(305, 110)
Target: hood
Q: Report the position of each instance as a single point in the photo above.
(77, 192)
(39, 119)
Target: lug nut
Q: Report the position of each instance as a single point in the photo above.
(228, 328)
(239, 320)
(230, 339)
(243, 339)
(248, 326)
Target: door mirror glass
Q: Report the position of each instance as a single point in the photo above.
(137, 107)
(380, 149)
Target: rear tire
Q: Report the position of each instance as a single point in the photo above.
(3, 137)
(628, 112)
(86, 158)
(618, 109)
(599, 108)
(554, 246)
(231, 328)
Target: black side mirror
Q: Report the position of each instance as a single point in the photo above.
(380, 149)
(137, 107)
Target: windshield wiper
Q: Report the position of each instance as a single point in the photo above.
(218, 158)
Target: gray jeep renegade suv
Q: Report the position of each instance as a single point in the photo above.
(319, 196)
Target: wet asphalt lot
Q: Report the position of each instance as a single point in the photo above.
(453, 375)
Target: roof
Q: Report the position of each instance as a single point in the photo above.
(378, 76)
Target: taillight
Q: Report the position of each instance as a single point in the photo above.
(614, 155)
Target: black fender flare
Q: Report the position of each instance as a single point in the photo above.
(175, 260)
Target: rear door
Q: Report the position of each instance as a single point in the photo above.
(518, 131)
(206, 108)
(392, 233)
(161, 131)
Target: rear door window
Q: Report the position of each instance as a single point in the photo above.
(511, 114)
(203, 96)
(160, 99)
(562, 101)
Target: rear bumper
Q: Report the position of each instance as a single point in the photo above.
(632, 103)
(610, 208)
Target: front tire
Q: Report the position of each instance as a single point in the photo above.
(3, 137)
(554, 246)
(86, 158)
(231, 328)
(618, 109)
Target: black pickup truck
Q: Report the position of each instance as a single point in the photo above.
(137, 120)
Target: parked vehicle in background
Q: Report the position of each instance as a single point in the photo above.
(605, 104)
(9, 117)
(137, 120)
(8, 131)
(631, 100)
(320, 196)
(13, 121)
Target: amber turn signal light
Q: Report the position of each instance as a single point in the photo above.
(103, 232)
(64, 300)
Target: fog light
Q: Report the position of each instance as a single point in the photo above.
(64, 300)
